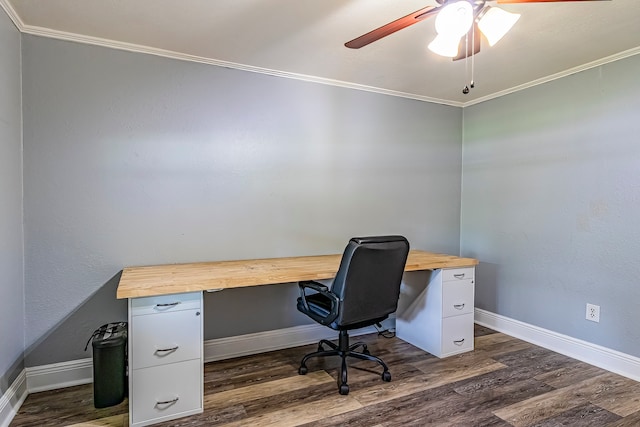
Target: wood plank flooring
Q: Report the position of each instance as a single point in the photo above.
(504, 382)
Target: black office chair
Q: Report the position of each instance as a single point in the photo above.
(364, 292)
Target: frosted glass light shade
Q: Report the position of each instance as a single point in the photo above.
(455, 19)
(495, 23)
(445, 45)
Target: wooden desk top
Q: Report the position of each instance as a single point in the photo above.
(177, 278)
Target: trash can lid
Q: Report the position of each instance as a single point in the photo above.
(109, 335)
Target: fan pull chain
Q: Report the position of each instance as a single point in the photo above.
(465, 89)
(473, 61)
(472, 83)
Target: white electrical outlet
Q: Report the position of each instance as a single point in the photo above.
(593, 312)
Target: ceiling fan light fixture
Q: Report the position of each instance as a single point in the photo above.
(495, 23)
(445, 45)
(455, 19)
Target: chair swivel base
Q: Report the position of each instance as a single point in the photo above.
(344, 350)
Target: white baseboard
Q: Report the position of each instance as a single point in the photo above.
(66, 374)
(12, 399)
(243, 345)
(602, 357)
(75, 372)
(59, 375)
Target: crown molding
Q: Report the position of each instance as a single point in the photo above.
(113, 44)
(556, 76)
(13, 15)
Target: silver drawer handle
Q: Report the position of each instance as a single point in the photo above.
(166, 350)
(170, 304)
(167, 402)
(459, 275)
(458, 342)
(458, 306)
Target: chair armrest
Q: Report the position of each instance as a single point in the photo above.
(323, 290)
(316, 286)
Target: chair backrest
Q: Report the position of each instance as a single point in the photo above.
(369, 277)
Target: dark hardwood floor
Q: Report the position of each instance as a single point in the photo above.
(504, 382)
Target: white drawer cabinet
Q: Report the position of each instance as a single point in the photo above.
(436, 314)
(166, 392)
(165, 338)
(453, 274)
(457, 298)
(165, 358)
(457, 335)
(165, 303)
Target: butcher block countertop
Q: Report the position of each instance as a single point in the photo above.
(167, 279)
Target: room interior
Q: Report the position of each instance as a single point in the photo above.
(258, 134)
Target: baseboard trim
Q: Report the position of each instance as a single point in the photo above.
(261, 342)
(602, 357)
(12, 399)
(76, 372)
(59, 375)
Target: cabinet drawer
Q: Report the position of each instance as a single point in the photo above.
(453, 274)
(457, 334)
(457, 298)
(165, 303)
(165, 338)
(166, 392)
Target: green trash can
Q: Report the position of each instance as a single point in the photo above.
(109, 343)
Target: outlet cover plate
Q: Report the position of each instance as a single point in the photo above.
(593, 312)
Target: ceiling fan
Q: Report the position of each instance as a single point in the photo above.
(454, 20)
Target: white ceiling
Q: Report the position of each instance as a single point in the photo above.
(305, 39)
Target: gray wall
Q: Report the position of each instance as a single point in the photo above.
(11, 234)
(551, 202)
(133, 159)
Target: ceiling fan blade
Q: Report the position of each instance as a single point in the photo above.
(540, 1)
(392, 27)
(466, 50)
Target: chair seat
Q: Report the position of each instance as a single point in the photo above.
(321, 306)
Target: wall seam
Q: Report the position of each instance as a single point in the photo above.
(462, 146)
(24, 276)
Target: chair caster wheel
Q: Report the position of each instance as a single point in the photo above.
(386, 376)
(302, 370)
(367, 352)
(344, 389)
